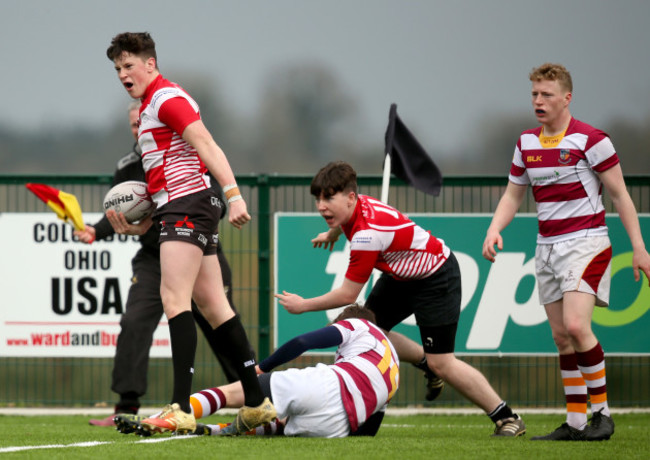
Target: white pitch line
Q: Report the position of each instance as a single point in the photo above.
(394, 425)
(89, 444)
(169, 438)
(53, 446)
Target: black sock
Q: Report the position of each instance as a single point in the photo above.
(231, 339)
(129, 403)
(502, 411)
(424, 367)
(229, 371)
(182, 332)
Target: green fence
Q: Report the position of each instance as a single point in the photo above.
(530, 381)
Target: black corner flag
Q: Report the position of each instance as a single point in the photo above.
(409, 161)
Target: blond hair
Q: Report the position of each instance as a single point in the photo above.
(553, 72)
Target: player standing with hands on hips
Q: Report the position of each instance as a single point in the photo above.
(177, 152)
(567, 162)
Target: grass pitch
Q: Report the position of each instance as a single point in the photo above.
(404, 437)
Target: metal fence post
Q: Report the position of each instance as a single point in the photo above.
(264, 265)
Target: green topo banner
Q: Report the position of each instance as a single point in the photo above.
(500, 314)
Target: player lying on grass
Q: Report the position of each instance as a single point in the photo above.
(348, 397)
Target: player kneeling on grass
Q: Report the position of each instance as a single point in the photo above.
(348, 397)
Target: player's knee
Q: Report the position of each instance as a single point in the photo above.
(562, 339)
(577, 332)
(173, 302)
(439, 365)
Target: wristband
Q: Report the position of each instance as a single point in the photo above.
(231, 191)
(235, 198)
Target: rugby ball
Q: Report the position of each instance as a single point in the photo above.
(131, 198)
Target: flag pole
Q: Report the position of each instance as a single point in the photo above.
(389, 139)
(385, 183)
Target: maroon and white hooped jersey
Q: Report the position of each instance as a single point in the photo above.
(564, 179)
(367, 367)
(172, 167)
(381, 237)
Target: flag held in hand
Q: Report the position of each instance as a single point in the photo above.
(65, 205)
(409, 161)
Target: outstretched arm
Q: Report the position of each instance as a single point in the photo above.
(325, 337)
(346, 294)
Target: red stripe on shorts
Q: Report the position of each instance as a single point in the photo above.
(596, 268)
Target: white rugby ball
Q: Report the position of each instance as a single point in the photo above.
(131, 198)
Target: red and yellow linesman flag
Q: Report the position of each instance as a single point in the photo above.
(65, 205)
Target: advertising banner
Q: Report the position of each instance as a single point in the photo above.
(500, 311)
(60, 297)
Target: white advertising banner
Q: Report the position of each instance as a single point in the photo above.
(60, 297)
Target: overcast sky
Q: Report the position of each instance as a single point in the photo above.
(447, 64)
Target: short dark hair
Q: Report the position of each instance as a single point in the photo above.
(337, 176)
(138, 43)
(356, 311)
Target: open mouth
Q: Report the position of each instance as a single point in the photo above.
(128, 85)
(540, 112)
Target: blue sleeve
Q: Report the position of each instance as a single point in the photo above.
(326, 337)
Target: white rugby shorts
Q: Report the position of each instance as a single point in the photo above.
(311, 399)
(579, 264)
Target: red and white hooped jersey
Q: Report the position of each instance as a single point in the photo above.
(381, 237)
(367, 367)
(566, 187)
(172, 167)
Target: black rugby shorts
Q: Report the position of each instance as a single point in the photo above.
(192, 218)
(434, 300)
